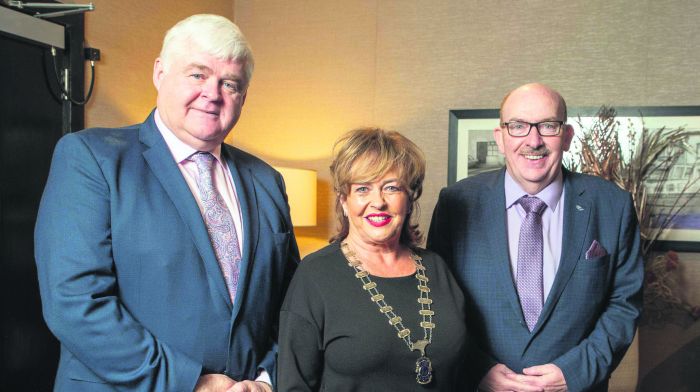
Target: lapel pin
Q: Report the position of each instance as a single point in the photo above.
(579, 208)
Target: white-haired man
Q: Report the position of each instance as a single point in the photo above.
(163, 254)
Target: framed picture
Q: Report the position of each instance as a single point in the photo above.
(472, 150)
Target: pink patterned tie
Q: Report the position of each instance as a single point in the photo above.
(219, 222)
(529, 276)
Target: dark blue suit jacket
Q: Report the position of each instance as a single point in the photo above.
(129, 280)
(590, 315)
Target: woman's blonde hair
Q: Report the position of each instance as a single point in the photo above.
(366, 154)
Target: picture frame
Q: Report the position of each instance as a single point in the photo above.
(472, 150)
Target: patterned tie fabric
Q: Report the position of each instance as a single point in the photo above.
(219, 222)
(529, 276)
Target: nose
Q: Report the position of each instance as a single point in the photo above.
(211, 89)
(534, 139)
(377, 199)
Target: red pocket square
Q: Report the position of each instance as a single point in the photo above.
(596, 250)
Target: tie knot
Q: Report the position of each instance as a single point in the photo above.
(532, 204)
(204, 160)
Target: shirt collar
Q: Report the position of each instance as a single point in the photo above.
(180, 150)
(551, 194)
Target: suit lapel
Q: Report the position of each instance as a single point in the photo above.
(498, 238)
(577, 212)
(247, 200)
(165, 169)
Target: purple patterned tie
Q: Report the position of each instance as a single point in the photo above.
(529, 276)
(219, 222)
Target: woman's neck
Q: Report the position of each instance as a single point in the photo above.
(389, 260)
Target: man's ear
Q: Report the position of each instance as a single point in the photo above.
(568, 137)
(158, 72)
(498, 137)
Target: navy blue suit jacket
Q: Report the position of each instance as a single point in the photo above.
(129, 280)
(589, 318)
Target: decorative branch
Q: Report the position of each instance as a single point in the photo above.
(645, 171)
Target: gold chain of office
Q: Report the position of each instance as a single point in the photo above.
(424, 368)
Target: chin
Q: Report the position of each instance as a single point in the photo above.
(536, 179)
(389, 239)
(540, 178)
(209, 135)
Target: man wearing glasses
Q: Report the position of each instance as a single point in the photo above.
(548, 259)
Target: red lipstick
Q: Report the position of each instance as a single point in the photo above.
(378, 220)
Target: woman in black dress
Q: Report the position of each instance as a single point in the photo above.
(372, 311)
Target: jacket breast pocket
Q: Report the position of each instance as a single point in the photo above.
(594, 263)
(592, 276)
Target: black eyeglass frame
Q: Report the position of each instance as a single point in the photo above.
(536, 125)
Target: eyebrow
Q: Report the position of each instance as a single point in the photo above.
(204, 68)
(554, 118)
(198, 66)
(388, 180)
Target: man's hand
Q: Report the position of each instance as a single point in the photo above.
(547, 377)
(223, 383)
(214, 383)
(250, 386)
(500, 378)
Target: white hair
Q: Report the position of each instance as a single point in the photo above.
(214, 34)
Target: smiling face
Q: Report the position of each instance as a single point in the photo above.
(533, 161)
(200, 97)
(376, 210)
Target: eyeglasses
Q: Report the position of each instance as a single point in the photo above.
(544, 128)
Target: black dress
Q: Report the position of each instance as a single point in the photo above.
(333, 337)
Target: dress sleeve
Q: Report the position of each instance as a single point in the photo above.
(300, 362)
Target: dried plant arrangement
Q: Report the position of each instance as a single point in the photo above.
(643, 168)
(664, 299)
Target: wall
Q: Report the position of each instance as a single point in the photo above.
(314, 79)
(129, 34)
(326, 66)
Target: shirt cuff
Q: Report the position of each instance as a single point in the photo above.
(264, 376)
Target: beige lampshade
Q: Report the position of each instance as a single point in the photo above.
(301, 191)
